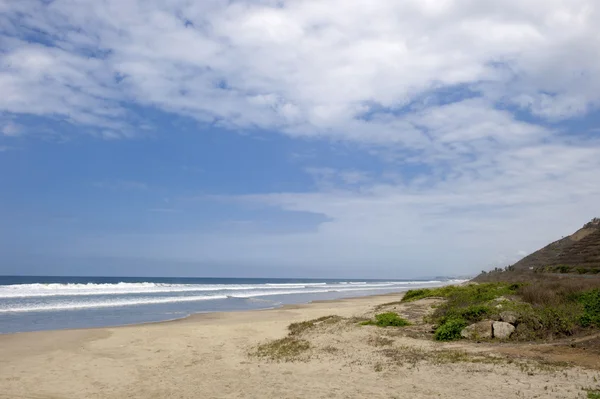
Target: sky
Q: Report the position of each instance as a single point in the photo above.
(302, 138)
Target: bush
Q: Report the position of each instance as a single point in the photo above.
(554, 312)
(450, 330)
(389, 319)
(472, 303)
(475, 313)
(547, 309)
(413, 295)
(443, 292)
(591, 308)
(466, 293)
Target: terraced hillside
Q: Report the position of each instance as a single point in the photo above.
(577, 253)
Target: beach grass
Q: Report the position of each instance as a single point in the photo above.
(292, 347)
(286, 349)
(299, 328)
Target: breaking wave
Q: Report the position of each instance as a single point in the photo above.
(41, 297)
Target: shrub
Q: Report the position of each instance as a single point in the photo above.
(413, 295)
(475, 313)
(547, 321)
(591, 308)
(472, 303)
(549, 308)
(389, 319)
(537, 295)
(450, 329)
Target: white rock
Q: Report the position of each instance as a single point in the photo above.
(509, 317)
(502, 330)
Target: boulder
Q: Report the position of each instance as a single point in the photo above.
(502, 330)
(483, 329)
(509, 317)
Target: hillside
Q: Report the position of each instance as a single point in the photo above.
(577, 253)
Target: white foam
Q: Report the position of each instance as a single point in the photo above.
(51, 297)
(44, 307)
(45, 290)
(42, 290)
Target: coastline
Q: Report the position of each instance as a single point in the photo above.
(75, 302)
(208, 355)
(200, 314)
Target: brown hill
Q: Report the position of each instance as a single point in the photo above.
(577, 253)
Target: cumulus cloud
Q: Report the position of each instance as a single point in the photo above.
(461, 99)
(301, 67)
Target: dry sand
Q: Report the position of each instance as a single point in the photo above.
(207, 356)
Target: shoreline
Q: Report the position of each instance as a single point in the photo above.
(200, 315)
(205, 313)
(212, 355)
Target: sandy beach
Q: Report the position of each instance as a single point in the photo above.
(213, 356)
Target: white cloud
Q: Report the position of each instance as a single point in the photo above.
(465, 175)
(302, 67)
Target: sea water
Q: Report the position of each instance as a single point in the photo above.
(50, 303)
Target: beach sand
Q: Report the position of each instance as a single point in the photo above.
(211, 356)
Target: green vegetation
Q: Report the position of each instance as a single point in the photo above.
(464, 305)
(389, 319)
(450, 330)
(413, 295)
(472, 293)
(557, 308)
(591, 308)
(546, 309)
(593, 394)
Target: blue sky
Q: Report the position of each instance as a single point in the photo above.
(294, 138)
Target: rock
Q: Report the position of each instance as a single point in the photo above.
(502, 330)
(500, 301)
(509, 317)
(483, 329)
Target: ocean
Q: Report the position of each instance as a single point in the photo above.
(49, 303)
